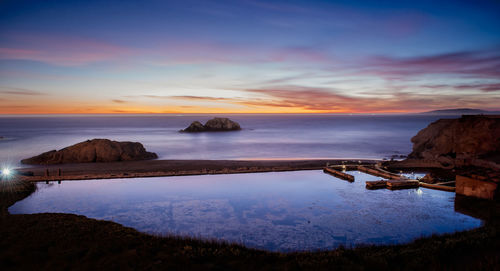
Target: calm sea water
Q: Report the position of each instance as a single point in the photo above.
(263, 136)
(286, 211)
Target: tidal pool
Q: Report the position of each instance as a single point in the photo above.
(279, 211)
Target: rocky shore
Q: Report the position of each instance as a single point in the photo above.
(457, 142)
(468, 148)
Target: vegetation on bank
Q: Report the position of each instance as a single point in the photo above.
(66, 241)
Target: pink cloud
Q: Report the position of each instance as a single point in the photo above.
(480, 64)
(327, 100)
(61, 50)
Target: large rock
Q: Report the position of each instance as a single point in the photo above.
(213, 125)
(196, 126)
(95, 150)
(456, 142)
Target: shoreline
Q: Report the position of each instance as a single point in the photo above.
(165, 168)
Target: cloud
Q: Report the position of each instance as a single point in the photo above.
(202, 98)
(328, 100)
(60, 50)
(307, 98)
(484, 87)
(20, 91)
(299, 98)
(119, 101)
(472, 64)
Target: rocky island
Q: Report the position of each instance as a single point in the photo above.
(213, 125)
(95, 150)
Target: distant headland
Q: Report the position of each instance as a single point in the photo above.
(460, 111)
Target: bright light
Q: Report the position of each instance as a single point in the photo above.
(6, 172)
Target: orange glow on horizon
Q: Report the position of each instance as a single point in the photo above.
(48, 109)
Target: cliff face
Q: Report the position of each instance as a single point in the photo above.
(213, 125)
(96, 150)
(450, 141)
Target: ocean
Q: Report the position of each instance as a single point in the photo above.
(263, 136)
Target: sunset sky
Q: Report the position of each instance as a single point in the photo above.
(248, 56)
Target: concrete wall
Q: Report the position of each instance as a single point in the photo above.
(473, 187)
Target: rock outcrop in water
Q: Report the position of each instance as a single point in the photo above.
(95, 150)
(213, 125)
(455, 142)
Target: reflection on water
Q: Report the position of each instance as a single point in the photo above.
(301, 210)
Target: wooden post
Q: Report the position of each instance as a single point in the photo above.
(59, 172)
(47, 172)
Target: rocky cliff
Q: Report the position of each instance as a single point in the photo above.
(213, 125)
(454, 142)
(95, 150)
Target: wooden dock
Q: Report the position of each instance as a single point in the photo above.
(372, 185)
(392, 184)
(379, 173)
(395, 181)
(438, 186)
(402, 184)
(339, 174)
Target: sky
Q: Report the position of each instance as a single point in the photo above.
(248, 56)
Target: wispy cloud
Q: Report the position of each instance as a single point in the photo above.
(203, 98)
(60, 50)
(484, 87)
(327, 100)
(20, 91)
(307, 98)
(471, 64)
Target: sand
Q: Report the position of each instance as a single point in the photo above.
(157, 168)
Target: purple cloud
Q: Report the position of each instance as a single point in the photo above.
(471, 64)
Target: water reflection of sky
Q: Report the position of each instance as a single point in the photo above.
(284, 211)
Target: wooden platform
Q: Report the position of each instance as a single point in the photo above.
(402, 184)
(438, 187)
(376, 184)
(339, 174)
(378, 173)
(392, 184)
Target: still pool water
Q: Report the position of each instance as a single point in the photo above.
(279, 211)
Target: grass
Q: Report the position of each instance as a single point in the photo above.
(66, 241)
